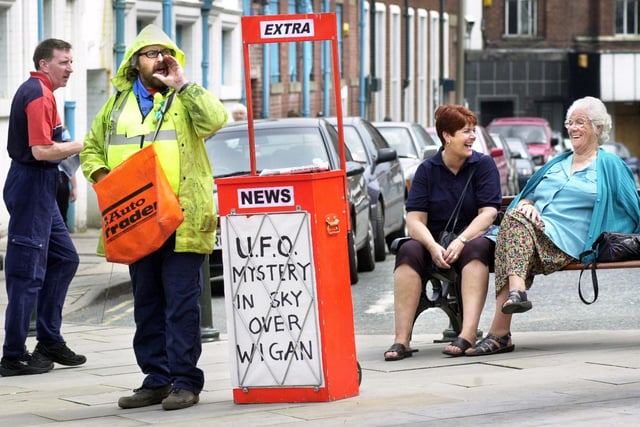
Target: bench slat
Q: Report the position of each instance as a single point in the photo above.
(607, 265)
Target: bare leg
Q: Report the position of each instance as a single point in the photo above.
(501, 323)
(475, 282)
(498, 340)
(407, 286)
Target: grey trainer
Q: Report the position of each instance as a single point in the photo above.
(144, 397)
(179, 399)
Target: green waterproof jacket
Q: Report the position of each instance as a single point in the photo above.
(196, 114)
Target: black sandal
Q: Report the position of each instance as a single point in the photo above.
(492, 344)
(459, 343)
(401, 351)
(517, 302)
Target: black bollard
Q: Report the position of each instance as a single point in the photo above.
(207, 332)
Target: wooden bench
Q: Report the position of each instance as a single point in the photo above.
(444, 292)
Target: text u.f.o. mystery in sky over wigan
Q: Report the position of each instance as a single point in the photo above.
(270, 291)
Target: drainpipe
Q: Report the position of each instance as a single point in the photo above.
(120, 47)
(441, 62)
(372, 54)
(166, 18)
(40, 20)
(407, 55)
(362, 100)
(206, 8)
(460, 53)
(70, 123)
(265, 68)
(326, 69)
(246, 11)
(306, 7)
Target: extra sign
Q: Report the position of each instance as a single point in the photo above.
(295, 28)
(289, 28)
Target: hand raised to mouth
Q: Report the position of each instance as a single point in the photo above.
(174, 74)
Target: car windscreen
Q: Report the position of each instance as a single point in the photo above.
(275, 148)
(529, 134)
(400, 140)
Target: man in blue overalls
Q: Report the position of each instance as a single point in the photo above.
(41, 259)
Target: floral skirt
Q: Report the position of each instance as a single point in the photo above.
(524, 250)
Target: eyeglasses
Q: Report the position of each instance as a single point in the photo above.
(152, 54)
(579, 123)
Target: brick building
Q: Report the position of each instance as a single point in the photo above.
(540, 55)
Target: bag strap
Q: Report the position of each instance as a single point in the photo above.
(456, 210)
(165, 107)
(589, 264)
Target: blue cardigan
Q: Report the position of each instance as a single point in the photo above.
(617, 206)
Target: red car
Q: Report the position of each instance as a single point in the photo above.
(534, 131)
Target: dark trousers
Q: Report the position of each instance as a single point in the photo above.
(167, 342)
(41, 259)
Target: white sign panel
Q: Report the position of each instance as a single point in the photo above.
(285, 29)
(270, 297)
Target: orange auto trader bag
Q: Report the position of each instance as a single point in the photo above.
(139, 209)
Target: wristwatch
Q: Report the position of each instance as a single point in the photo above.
(463, 239)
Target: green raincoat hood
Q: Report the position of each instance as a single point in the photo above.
(149, 36)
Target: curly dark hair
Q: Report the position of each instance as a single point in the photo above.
(132, 73)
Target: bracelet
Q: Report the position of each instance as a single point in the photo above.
(184, 87)
(525, 202)
(463, 239)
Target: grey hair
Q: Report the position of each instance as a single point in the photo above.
(597, 113)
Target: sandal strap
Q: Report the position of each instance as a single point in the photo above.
(517, 296)
(492, 343)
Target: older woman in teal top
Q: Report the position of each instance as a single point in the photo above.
(559, 214)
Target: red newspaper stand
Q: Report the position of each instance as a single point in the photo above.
(286, 267)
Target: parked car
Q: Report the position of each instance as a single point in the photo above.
(485, 144)
(534, 131)
(512, 177)
(294, 142)
(412, 143)
(623, 152)
(385, 180)
(524, 164)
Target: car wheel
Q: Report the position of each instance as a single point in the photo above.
(380, 247)
(353, 261)
(366, 255)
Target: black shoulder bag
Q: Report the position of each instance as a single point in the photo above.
(446, 236)
(608, 247)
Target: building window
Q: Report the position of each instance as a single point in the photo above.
(520, 17)
(627, 17)
(226, 50)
